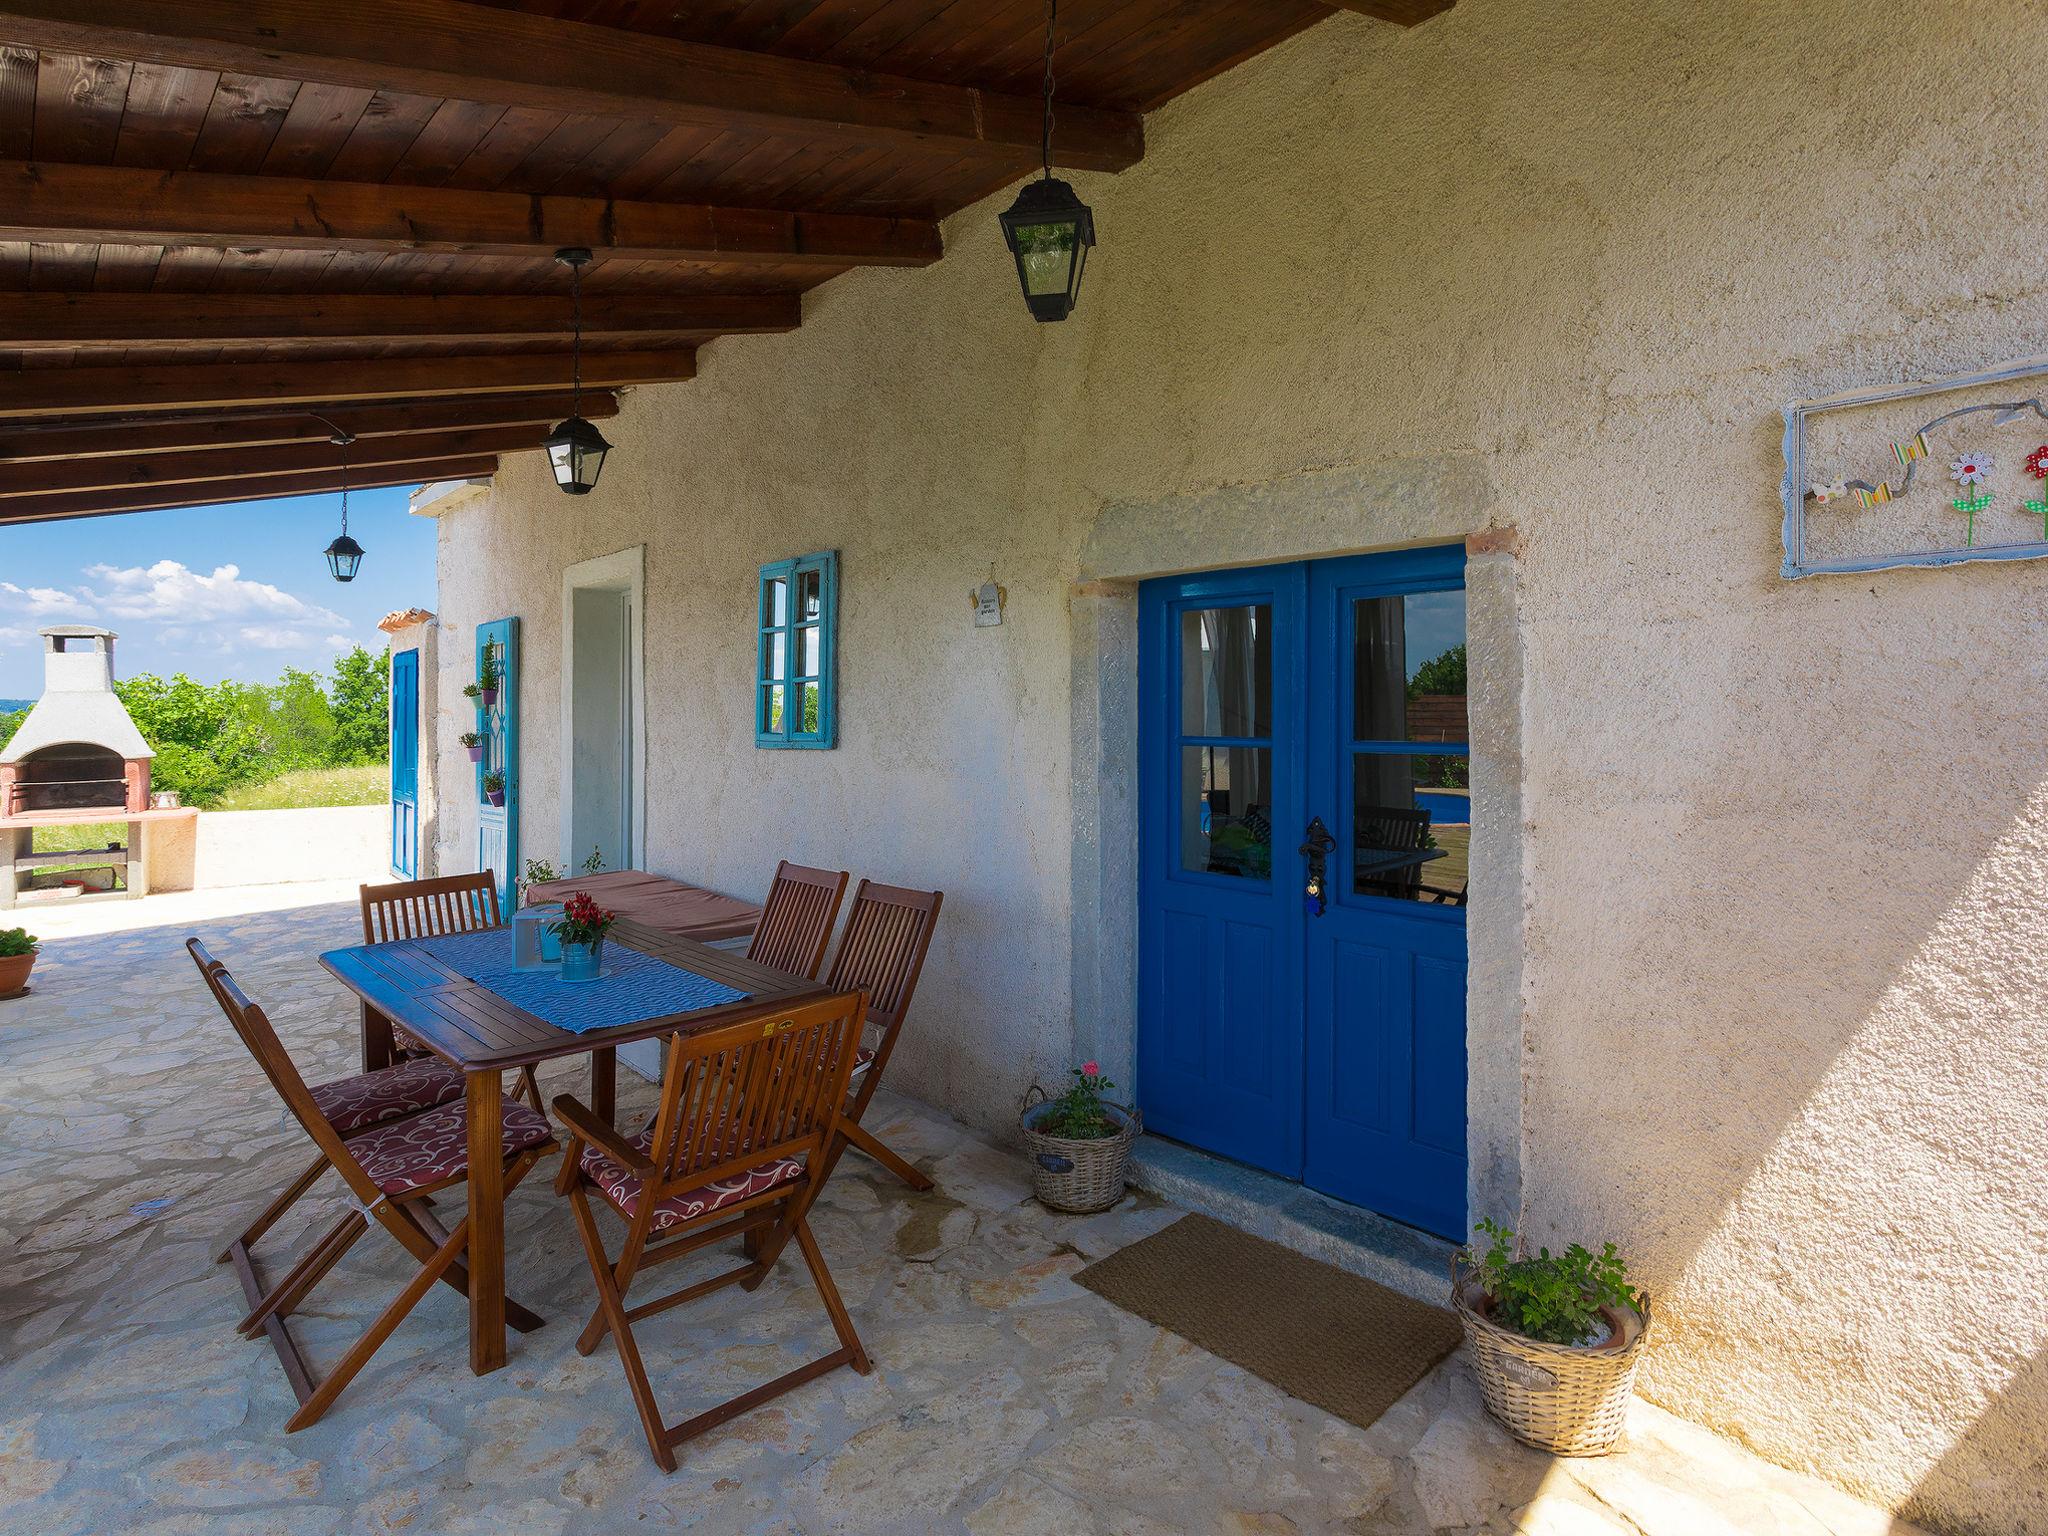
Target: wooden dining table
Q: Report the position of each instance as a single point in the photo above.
(473, 1029)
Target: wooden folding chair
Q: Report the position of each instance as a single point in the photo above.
(738, 1148)
(796, 923)
(392, 1170)
(425, 909)
(882, 953)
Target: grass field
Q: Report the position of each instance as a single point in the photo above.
(369, 784)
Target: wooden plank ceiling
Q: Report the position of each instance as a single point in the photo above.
(218, 217)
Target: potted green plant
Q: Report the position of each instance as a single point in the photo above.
(1556, 1339)
(475, 746)
(494, 787)
(1080, 1143)
(17, 959)
(581, 928)
(487, 683)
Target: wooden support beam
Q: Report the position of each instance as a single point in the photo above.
(91, 203)
(35, 509)
(445, 48)
(43, 320)
(44, 392)
(1403, 13)
(148, 471)
(100, 436)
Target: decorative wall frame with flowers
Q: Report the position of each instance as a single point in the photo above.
(1859, 462)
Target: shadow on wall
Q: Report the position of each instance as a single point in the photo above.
(2008, 1445)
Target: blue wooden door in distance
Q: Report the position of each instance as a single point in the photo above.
(405, 764)
(1321, 1041)
(497, 826)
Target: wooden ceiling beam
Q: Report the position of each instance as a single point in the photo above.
(364, 456)
(51, 392)
(1403, 13)
(36, 509)
(102, 437)
(44, 200)
(445, 48)
(41, 320)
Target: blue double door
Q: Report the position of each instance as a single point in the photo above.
(405, 764)
(1305, 837)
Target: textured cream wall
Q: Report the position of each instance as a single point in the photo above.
(1553, 263)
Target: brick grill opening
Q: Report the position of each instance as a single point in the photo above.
(71, 777)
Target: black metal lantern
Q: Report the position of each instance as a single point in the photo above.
(576, 449)
(1049, 229)
(344, 555)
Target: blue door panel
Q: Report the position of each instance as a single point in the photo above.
(497, 826)
(1328, 1046)
(405, 764)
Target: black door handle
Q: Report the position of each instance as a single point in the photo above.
(1316, 849)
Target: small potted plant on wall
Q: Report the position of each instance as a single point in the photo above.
(1556, 1339)
(474, 745)
(494, 788)
(1080, 1143)
(17, 959)
(487, 684)
(581, 928)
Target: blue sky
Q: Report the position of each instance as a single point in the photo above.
(237, 591)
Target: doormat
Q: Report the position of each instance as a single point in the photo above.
(1344, 1343)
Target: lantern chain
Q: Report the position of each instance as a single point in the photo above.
(576, 339)
(1052, 13)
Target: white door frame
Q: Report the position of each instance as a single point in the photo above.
(625, 572)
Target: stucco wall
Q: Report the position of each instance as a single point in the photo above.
(1784, 961)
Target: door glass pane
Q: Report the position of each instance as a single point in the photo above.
(774, 655)
(1411, 827)
(1226, 660)
(807, 589)
(807, 651)
(1225, 811)
(771, 709)
(775, 602)
(1408, 668)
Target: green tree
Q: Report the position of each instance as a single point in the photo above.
(10, 723)
(362, 705)
(1440, 674)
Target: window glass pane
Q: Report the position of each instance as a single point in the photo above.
(775, 602)
(1408, 668)
(809, 724)
(1226, 806)
(1411, 827)
(807, 651)
(807, 596)
(771, 709)
(775, 654)
(1226, 659)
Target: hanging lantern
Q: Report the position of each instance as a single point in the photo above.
(576, 449)
(344, 555)
(1049, 229)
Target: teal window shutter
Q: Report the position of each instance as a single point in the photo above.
(795, 684)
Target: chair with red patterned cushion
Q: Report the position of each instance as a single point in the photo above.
(737, 1148)
(425, 909)
(882, 954)
(350, 1104)
(796, 921)
(392, 1167)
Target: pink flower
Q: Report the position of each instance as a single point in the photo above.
(1090, 1069)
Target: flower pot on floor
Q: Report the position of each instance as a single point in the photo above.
(14, 971)
(582, 962)
(1567, 1399)
(1073, 1175)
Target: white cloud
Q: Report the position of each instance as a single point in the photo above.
(341, 642)
(174, 593)
(44, 602)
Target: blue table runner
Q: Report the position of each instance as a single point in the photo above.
(632, 988)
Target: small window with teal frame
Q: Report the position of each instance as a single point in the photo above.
(793, 668)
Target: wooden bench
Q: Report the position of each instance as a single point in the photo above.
(659, 902)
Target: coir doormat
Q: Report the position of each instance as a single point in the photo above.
(1342, 1342)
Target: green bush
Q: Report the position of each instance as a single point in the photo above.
(1553, 1299)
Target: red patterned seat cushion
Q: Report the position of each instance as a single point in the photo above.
(355, 1103)
(621, 1185)
(434, 1147)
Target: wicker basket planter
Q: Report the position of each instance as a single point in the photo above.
(1078, 1176)
(1566, 1399)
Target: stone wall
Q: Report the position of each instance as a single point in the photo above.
(1773, 891)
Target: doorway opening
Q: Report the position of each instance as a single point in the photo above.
(603, 713)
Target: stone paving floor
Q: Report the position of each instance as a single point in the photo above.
(134, 1135)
